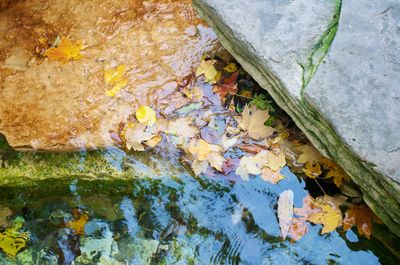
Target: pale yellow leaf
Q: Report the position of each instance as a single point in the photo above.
(285, 211)
(207, 69)
(146, 115)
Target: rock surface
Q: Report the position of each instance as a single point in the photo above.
(47, 105)
(335, 68)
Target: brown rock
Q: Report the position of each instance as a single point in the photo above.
(47, 105)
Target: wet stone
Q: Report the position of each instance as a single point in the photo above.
(48, 105)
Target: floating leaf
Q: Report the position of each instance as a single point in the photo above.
(181, 127)
(285, 211)
(253, 122)
(64, 51)
(271, 176)
(248, 166)
(207, 69)
(146, 115)
(135, 134)
(328, 214)
(205, 152)
(362, 217)
(189, 108)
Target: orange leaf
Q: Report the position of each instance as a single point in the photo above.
(362, 217)
(65, 51)
(78, 224)
(227, 86)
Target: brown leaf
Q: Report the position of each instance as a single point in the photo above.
(362, 217)
(227, 86)
(253, 122)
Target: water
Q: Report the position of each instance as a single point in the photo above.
(173, 218)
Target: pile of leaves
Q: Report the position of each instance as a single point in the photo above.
(226, 126)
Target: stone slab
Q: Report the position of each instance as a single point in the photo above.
(334, 67)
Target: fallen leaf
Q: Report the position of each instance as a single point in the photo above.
(248, 165)
(227, 142)
(338, 175)
(253, 122)
(285, 211)
(271, 176)
(79, 221)
(252, 148)
(65, 51)
(298, 229)
(205, 152)
(135, 134)
(275, 162)
(226, 86)
(194, 94)
(181, 127)
(308, 154)
(231, 67)
(312, 169)
(153, 141)
(115, 78)
(207, 69)
(146, 115)
(362, 217)
(328, 214)
(251, 165)
(11, 240)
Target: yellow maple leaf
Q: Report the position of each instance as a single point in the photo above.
(135, 134)
(207, 69)
(312, 170)
(65, 51)
(230, 68)
(308, 154)
(115, 78)
(205, 152)
(328, 214)
(146, 115)
(253, 121)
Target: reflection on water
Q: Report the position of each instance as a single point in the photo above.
(173, 219)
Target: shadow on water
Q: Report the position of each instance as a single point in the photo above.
(173, 219)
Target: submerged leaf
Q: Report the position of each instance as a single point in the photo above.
(79, 221)
(65, 51)
(115, 77)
